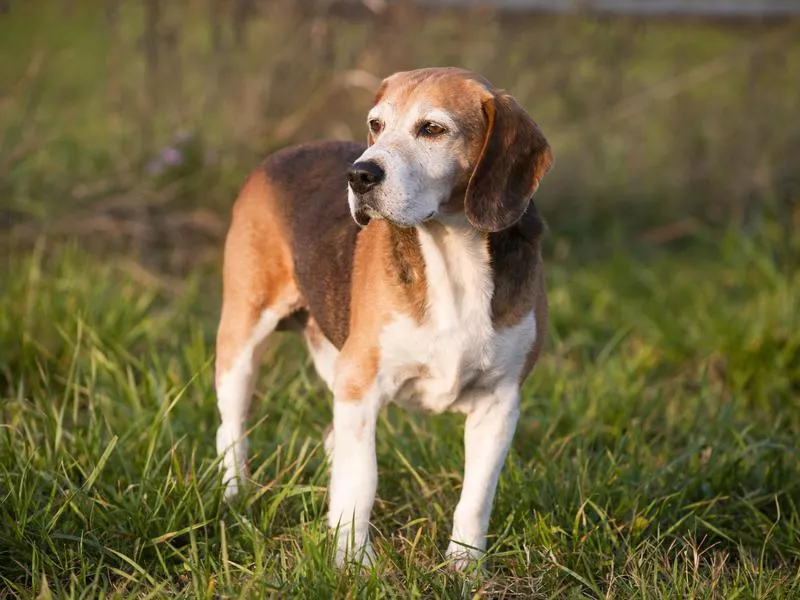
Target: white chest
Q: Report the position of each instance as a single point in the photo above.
(433, 365)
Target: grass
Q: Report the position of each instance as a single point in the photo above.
(657, 455)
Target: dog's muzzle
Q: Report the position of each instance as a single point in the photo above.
(362, 177)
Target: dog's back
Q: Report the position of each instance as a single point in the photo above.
(297, 203)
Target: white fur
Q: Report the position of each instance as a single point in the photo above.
(354, 475)
(454, 342)
(453, 360)
(487, 437)
(234, 392)
(323, 354)
(420, 170)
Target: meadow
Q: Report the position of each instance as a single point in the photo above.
(658, 452)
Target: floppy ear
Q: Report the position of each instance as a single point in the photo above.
(514, 158)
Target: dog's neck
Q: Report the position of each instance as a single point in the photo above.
(457, 264)
(446, 264)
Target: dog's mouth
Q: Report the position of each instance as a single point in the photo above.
(364, 214)
(410, 224)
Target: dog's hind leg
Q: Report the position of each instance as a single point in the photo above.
(323, 354)
(258, 292)
(241, 341)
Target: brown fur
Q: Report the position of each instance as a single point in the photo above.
(514, 158)
(309, 184)
(516, 261)
(291, 236)
(257, 271)
(389, 277)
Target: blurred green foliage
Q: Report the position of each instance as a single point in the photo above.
(653, 119)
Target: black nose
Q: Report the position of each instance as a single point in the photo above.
(364, 176)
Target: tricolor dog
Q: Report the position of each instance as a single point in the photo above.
(413, 268)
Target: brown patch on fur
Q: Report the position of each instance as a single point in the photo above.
(257, 268)
(515, 256)
(388, 278)
(519, 277)
(291, 236)
(540, 313)
(310, 183)
(353, 382)
(406, 265)
(436, 83)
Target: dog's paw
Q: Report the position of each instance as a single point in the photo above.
(464, 558)
(360, 554)
(234, 478)
(233, 485)
(233, 460)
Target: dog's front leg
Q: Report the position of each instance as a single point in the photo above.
(488, 432)
(354, 475)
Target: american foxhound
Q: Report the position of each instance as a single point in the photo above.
(426, 288)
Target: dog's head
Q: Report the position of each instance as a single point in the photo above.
(443, 141)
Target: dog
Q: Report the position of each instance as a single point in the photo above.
(413, 267)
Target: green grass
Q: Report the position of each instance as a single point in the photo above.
(658, 453)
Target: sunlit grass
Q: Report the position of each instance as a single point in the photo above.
(657, 455)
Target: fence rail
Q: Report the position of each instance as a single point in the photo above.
(706, 8)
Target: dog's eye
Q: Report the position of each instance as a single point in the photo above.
(430, 129)
(375, 126)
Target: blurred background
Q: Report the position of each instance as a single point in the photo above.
(130, 125)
